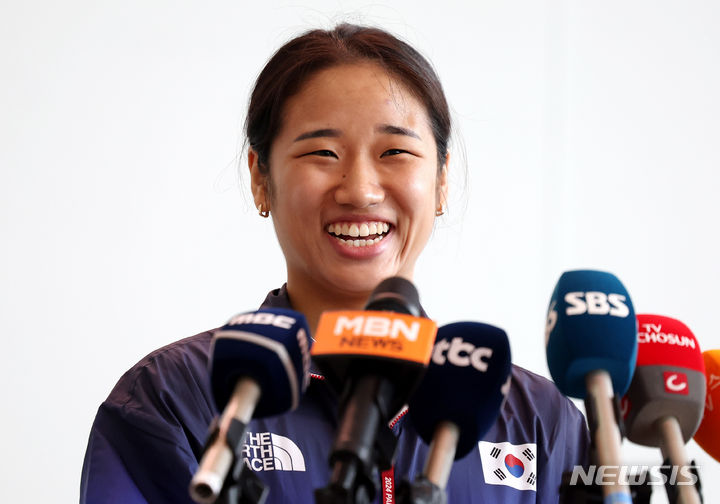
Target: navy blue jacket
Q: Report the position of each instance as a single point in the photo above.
(148, 436)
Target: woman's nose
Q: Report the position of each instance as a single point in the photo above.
(360, 185)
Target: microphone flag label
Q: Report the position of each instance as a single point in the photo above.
(676, 382)
(509, 465)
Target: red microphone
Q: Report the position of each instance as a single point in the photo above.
(708, 434)
(665, 401)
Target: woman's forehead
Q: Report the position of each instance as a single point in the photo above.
(355, 92)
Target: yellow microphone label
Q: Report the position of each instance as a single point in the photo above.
(375, 333)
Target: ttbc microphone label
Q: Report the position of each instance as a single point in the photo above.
(461, 353)
(676, 382)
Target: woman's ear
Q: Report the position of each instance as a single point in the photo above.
(442, 183)
(258, 182)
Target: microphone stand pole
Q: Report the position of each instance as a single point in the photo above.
(581, 493)
(222, 477)
(684, 491)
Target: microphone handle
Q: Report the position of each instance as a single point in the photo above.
(441, 454)
(217, 460)
(606, 437)
(673, 448)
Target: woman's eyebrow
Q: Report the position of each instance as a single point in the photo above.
(388, 129)
(396, 130)
(318, 134)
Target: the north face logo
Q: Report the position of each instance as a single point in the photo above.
(266, 451)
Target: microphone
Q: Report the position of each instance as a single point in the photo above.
(665, 401)
(260, 364)
(461, 394)
(374, 358)
(708, 434)
(591, 337)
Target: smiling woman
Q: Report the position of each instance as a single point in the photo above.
(348, 134)
(352, 183)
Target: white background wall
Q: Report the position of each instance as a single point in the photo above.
(592, 138)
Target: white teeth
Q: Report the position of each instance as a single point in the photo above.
(361, 243)
(358, 230)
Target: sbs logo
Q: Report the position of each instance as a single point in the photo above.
(596, 303)
(461, 353)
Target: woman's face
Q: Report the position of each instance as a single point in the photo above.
(354, 181)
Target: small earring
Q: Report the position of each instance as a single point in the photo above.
(262, 212)
(439, 211)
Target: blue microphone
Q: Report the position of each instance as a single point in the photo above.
(260, 366)
(460, 396)
(591, 325)
(591, 337)
(271, 346)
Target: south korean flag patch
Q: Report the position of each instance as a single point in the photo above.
(510, 465)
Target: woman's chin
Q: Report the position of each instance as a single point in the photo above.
(358, 284)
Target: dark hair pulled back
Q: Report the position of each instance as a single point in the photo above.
(296, 61)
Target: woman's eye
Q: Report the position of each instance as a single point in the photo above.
(322, 153)
(393, 152)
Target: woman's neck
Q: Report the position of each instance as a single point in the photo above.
(312, 300)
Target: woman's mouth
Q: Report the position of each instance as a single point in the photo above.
(359, 234)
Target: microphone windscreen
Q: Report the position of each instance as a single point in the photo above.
(590, 326)
(669, 380)
(388, 338)
(270, 346)
(665, 341)
(395, 294)
(708, 434)
(466, 383)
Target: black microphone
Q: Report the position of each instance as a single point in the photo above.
(260, 366)
(373, 358)
(460, 396)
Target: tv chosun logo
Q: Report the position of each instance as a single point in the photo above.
(676, 382)
(509, 465)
